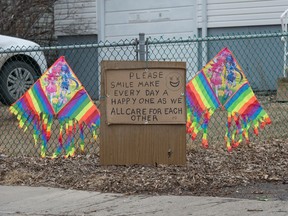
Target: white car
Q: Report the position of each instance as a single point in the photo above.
(19, 69)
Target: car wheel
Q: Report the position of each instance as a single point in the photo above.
(16, 78)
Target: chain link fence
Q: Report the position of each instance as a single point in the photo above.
(259, 55)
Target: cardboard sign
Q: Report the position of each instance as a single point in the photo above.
(145, 95)
(143, 113)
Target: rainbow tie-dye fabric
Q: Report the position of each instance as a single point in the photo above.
(57, 94)
(222, 83)
(201, 103)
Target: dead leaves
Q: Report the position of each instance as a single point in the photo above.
(208, 172)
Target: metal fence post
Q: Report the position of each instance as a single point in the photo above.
(137, 49)
(147, 48)
(141, 46)
(284, 24)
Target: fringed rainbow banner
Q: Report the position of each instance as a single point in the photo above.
(243, 109)
(58, 93)
(201, 103)
(222, 83)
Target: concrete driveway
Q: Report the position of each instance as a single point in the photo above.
(22, 200)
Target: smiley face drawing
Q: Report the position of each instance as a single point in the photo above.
(174, 81)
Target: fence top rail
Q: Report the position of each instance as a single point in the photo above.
(125, 43)
(216, 38)
(106, 44)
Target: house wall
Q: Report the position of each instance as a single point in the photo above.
(167, 18)
(231, 13)
(163, 17)
(244, 17)
(261, 68)
(120, 20)
(75, 17)
(84, 62)
(75, 23)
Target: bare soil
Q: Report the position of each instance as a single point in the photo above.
(254, 171)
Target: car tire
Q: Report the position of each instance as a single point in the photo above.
(16, 77)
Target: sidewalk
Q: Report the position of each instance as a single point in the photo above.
(21, 200)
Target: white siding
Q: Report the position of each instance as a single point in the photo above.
(167, 18)
(231, 13)
(75, 17)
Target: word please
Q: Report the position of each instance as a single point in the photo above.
(146, 75)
